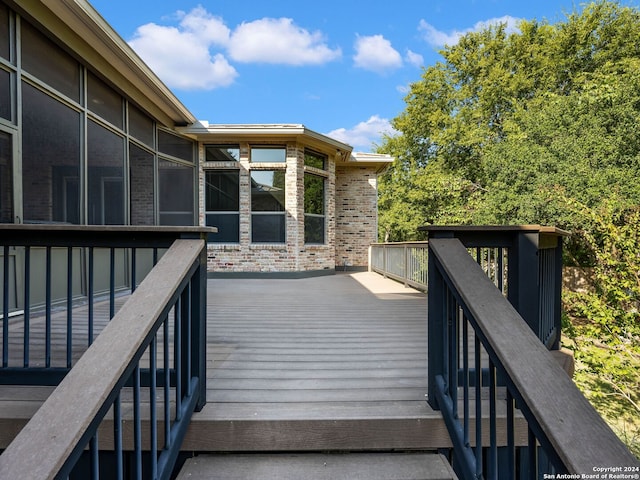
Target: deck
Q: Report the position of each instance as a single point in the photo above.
(324, 363)
(334, 362)
(328, 363)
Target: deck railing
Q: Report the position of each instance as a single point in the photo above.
(471, 328)
(405, 262)
(524, 262)
(148, 361)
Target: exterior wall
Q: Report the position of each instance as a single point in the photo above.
(356, 215)
(292, 256)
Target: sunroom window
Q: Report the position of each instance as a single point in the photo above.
(268, 219)
(314, 209)
(222, 205)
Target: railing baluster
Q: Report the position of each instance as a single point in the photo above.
(5, 308)
(112, 282)
(90, 298)
(177, 356)
(465, 379)
(133, 269)
(47, 354)
(511, 444)
(453, 354)
(188, 338)
(69, 306)
(478, 393)
(27, 306)
(95, 457)
(167, 384)
(137, 423)
(153, 418)
(493, 439)
(117, 437)
(533, 455)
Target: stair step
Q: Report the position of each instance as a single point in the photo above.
(316, 466)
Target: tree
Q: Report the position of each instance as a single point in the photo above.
(505, 117)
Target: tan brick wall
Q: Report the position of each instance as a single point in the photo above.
(356, 215)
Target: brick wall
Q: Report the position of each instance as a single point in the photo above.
(356, 215)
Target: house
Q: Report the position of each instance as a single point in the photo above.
(89, 135)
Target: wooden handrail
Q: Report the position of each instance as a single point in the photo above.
(549, 399)
(82, 398)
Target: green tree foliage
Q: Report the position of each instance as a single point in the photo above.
(504, 119)
(539, 126)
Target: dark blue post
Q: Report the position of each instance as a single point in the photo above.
(199, 329)
(436, 325)
(522, 279)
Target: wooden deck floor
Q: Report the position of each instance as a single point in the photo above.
(319, 364)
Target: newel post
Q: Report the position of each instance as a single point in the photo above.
(436, 327)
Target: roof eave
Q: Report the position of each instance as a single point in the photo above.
(79, 26)
(205, 132)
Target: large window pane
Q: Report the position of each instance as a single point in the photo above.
(4, 31)
(222, 204)
(267, 191)
(105, 176)
(222, 191)
(314, 209)
(228, 225)
(141, 171)
(313, 194)
(313, 229)
(104, 101)
(6, 178)
(5, 94)
(268, 221)
(49, 63)
(175, 146)
(222, 153)
(312, 159)
(268, 228)
(140, 126)
(268, 154)
(50, 159)
(176, 192)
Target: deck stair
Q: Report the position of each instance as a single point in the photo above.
(318, 466)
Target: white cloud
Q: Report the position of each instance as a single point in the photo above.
(414, 59)
(280, 41)
(206, 27)
(194, 55)
(365, 134)
(438, 38)
(375, 53)
(181, 58)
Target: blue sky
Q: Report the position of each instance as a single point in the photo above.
(341, 68)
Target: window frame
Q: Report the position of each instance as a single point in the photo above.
(236, 213)
(255, 214)
(323, 215)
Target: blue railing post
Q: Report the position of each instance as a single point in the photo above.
(522, 277)
(436, 326)
(199, 329)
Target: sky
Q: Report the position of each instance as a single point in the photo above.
(339, 67)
